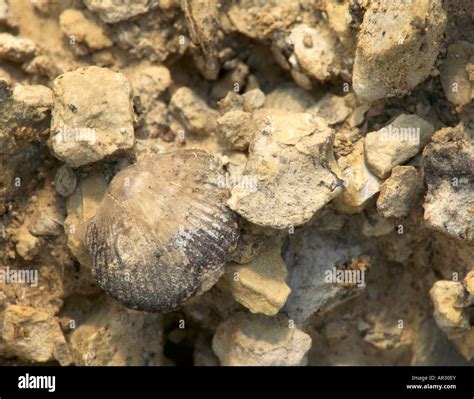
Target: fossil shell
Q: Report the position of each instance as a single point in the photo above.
(162, 232)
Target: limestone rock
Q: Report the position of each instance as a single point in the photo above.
(192, 112)
(452, 303)
(456, 73)
(32, 335)
(27, 245)
(65, 181)
(289, 98)
(256, 340)
(15, 48)
(36, 96)
(374, 225)
(397, 45)
(314, 49)
(85, 31)
(253, 100)
(313, 259)
(113, 11)
(360, 183)
(92, 116)
(237, 128)
(202, 20)
(115, 336)
(396, 143)
(449, 170)
(259, 285)
(448, 299)
(81, 206)
(5, 14)
(291, 158)
(24, 117)
(149, 83)
(258, 20)
(398, 192)
(331, 108)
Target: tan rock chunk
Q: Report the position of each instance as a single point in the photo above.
(15, 48)
(33, 96)
(331, 108)
(291, 158)
(259, 285)
(360, 183)
(455, 75)
(75, 24)
(237, 129)
(315, 50)
(115, 336)
(449, 171)
(259, 19)
(397, 45)
(27, 245)
(290, 98)
(396, 143)
(82, 206)
(448, 299)
(149, 83)
(32, 335)
(256, 340)
(113, 11)
(398, 192)
(192, 112)
(92, 116)
(469, 284)
(253, 100)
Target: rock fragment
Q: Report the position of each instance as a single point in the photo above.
(256, 340)
(15, 48)
(258, 20)
(259, 285)
(325, 269)
(398, 192)
(84, 31)
(149, 83)
(202, 19)
(331, 108)
(192, 112)
(113, 11)
(314, 49)
(24, 118)
(237, 129)
(452, 302)
(457, 73)
(92, 116)
(449, 170)
(32, 335)
(115, 336)
(396, 143)
(253, 100)
(82, 206)
(360, 183)
(291, 158)
(289, 98)
(397, 45)
(65, 181)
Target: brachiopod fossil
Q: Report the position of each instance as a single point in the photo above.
(162, 232)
